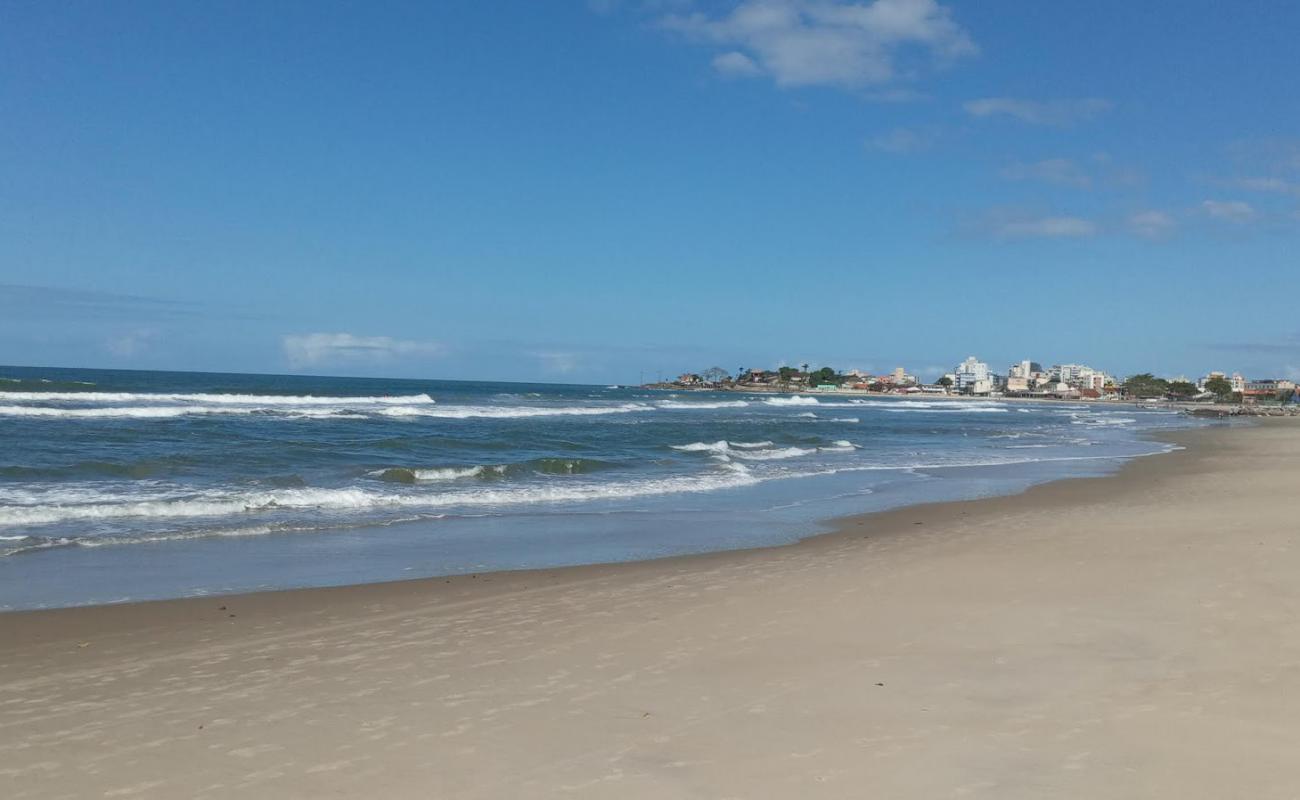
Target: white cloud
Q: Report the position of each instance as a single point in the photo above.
(1229, 210)
(1049, 112)
(1267, 184)
(131, 343)
(1152, 224)
(736, 65)
(826, 42)
(1046, 228)
(903, 140)
(313, 349)
(1060, 171)
(558, 362)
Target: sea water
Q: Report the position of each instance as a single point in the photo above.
(118, 485)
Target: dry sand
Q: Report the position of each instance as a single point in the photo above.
(1133, 636)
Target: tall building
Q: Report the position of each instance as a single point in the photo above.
(901, 378)
(1025, 369)
(973, 377)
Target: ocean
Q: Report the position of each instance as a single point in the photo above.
(125, 485)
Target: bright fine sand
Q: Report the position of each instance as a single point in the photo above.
(1136, 636)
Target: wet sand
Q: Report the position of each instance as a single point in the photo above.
(1130, 636)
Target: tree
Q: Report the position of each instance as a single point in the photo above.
(1220, 386)
(787, 373)
(1146, 385)
(714, 375)
(1181, 390)
(945, 381)
(823, 375)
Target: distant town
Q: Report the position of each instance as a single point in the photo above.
(1024, 379)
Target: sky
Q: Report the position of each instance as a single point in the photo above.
(615, 190)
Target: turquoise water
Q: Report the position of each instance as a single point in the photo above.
(136, 485)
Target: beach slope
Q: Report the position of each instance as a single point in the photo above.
(1132, 636)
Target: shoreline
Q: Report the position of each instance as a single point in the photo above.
(888, 521)
(826, 527)
(1131, 635)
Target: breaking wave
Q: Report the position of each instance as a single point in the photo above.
(227, 503)
(687, 406)
(213, 398)
(797, 400)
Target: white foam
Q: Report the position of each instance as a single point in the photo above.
(509, 412)
(774, 454)
(170, 412)
(792, 401)
(438, 473)
(224, 504)
(1101, 422)
(317, 412)
(720, 446)
(213, 398)
(685, 406)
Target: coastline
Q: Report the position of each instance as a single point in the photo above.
(884, 521)
(878, 653)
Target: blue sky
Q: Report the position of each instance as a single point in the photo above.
(598, 191)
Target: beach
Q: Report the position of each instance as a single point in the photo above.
(1133, 635)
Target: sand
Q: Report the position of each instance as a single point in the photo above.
(1124, 637)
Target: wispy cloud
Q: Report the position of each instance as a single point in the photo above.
(736, 65)
(1059, 171)
(316, 349)
(904, 140)
(1265, 184)
(827, 42)
(1283, 343)
(131, 343)
(1235, 211)
(1269, 156)
(1152, 224)
(557, 362)
(1060, 113)
(1045, 228)
(47, 301)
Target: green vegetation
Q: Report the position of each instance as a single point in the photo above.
(1182, 390)
(1146, 386)
(1221, 387)
(945, 381)
(824, 375)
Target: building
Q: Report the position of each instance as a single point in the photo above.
(972, 376)
(1025, 369)
(1267, 389)
(1201, 384)
(1079, 376)
(901, 378)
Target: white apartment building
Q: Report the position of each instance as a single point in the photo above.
(972, 376)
